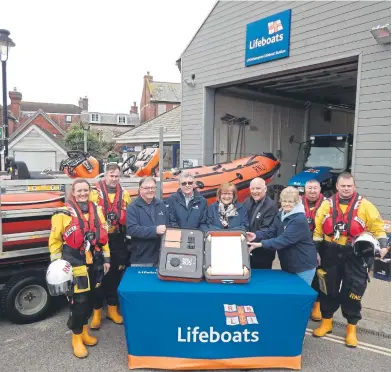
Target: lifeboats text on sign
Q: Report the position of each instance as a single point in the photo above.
(268, 39)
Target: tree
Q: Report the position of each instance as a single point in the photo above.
(74, 140)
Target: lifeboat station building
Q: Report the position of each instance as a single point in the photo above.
(265, 76)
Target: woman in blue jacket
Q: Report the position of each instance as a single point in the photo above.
(227, 213)
(289, 234)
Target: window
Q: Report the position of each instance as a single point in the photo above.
(95, 118)
(161, 109)
(68, 119)
(122, 119)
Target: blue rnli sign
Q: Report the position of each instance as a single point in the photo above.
(268, 39)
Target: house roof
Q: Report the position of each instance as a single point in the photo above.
(58, 140)
(165, 92)
(149, 131)
(49, 136)
(47, 118)
(50, 108)
(10, 116)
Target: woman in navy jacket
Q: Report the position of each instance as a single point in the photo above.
(289, 234)
(227, 213)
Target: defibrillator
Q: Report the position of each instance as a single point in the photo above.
(216, 256)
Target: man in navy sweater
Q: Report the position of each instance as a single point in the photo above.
(146, 223)
(261, 213)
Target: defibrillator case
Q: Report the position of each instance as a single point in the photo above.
(238, 243)
(181, 255)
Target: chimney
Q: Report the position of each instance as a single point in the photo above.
(16, 98)
(148, 76)
(83, 103)
(134, 109)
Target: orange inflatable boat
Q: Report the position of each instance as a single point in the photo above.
(19, 223)
(207, 178)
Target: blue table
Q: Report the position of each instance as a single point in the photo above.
(176, 325)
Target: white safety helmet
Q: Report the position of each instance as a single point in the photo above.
(366, 245)
(59, 278)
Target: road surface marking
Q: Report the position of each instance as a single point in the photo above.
(330, 335)
(372, 349)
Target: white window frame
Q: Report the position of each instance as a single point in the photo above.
(122, 116)
(68, 118)
(95, 115)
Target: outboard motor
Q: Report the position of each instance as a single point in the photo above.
(80, 165)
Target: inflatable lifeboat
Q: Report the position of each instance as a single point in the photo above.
(208, 178)
(37, 206)
(27, 212)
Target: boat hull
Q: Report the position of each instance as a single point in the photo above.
(207, 178)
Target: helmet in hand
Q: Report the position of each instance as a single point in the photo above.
(59, 278)
(366, 245)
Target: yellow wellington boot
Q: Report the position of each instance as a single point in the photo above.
(96, 319)
(88, 339)
(79, 350)
(112, 314)
(325, 327)
(316, 312)
(351, 335)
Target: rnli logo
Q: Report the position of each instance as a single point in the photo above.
(258, 215)
(240, 315)
(235, 315)
(196, 207)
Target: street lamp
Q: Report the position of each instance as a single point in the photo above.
(86, 128)
(6, 44)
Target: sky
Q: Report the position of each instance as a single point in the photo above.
(99, 49)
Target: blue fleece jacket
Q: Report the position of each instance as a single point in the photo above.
(238, 222)
(193, 216)
(289, 234)
(142, 222)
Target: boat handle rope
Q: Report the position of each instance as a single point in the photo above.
(201, 185)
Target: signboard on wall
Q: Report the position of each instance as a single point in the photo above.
(190, 163)
(268, 39)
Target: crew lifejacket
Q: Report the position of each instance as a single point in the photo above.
(118, 206)
(311, 213)
(353, 225)
(77, 230)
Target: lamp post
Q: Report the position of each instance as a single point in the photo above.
(6, 44)
(86, 128)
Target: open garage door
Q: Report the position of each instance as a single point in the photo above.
(304, 102)
(37, 160)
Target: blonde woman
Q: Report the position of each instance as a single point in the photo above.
(227, 213)
(289, 234)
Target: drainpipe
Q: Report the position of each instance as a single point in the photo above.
(306, 121)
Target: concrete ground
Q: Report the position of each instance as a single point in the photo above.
(46, 347)
(376, 307)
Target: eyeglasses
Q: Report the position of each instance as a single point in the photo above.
(152, 188)
(190, 183)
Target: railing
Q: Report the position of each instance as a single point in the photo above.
(36, 185)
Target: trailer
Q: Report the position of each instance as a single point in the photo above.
(24, 297)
